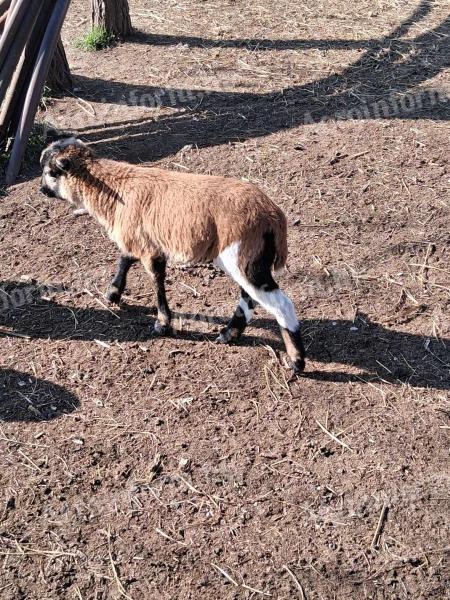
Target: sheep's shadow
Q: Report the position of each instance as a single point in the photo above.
(24, 397)
(380, 353)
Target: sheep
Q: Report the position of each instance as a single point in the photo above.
(155, 216)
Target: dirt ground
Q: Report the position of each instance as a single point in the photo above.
(175, 468)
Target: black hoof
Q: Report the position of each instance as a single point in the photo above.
(228, 336)
(160, 330)
(224, 337)
(113, 296)
(298, 366)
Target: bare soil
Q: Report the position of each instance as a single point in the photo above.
(175, 468)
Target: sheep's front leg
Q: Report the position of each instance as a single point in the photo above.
(156, 266)
(119, 282)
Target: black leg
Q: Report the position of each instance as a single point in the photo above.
(119, 282)
(239, 320)
(158, 271)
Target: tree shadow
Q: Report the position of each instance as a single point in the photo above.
(24, 397)
(423, 9)
(381, 84)
(380, 353)
(254, 44)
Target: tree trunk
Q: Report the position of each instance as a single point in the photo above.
(59, 78)
(114, 15)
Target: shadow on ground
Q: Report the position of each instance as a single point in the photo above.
(381, 84)
(23, 397)
(381, 354)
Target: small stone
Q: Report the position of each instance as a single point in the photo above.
(184, 464)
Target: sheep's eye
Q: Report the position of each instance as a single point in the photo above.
(53, 173)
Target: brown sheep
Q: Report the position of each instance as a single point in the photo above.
(155, 215)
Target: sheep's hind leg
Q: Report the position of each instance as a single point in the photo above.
(281, 307)
(239, 321)
(119, 282)
(156, 266)
(263, 289)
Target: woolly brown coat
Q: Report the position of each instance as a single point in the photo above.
(186, 217)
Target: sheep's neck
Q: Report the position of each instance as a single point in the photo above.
(101, 194)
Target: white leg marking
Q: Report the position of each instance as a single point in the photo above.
(275, 302)
(280, 306)
(248, 312)
(228, 260)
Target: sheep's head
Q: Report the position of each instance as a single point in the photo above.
(61, 162)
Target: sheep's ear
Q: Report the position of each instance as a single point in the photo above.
(45, 155)
(43, 158)
(63, 164)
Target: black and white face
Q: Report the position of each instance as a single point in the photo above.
(50, 182)
(55, 168)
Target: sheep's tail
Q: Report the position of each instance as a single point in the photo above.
(267, 242)
(281, 247)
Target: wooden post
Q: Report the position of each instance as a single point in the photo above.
(44, 56)
(11, 55)
(4, 8)
(11, 107)
(14, 20)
